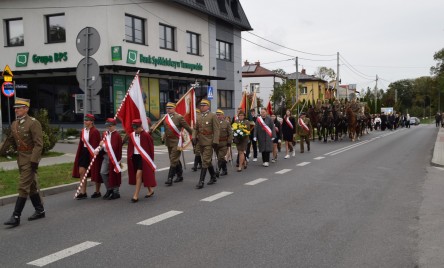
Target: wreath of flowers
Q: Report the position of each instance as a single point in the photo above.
(240, 130)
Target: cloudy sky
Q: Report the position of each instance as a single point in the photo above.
(394, 39)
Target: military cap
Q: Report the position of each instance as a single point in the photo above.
(205, 102)
(89, 117)
(110, 122)
(170, 105)
(219, 111)
(19, 102)
(136, 123)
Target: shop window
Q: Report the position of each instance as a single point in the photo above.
(166, 37)
(55, 28)
(14, 32)
(134, 29)
(223, 50)
(193, 43)
(225, 99)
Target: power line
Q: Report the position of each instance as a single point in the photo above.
(351, 66)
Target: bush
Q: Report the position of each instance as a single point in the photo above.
(72, 132)
(50, 136)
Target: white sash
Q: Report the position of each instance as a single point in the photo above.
(110, 152)
(142, 152)
(88, 145)
(264, 126)
(287, 120)
(303, 125)
(174, 129)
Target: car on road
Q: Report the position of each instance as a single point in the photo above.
(414, 121)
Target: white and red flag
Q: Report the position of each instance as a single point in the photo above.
(133, 107)
(186, 107)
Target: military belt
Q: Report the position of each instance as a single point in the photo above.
(24, 148)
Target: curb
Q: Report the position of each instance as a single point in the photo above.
(45, 192)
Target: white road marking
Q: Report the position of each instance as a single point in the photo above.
(160, 217)
(440, 168)
(162, 169)
(63, 253)
(190, 163)
(256, 181)
(319, 158)
(303, 164)
(216, 196)
(283, 171)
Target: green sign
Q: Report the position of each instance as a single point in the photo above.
(22, 59)
(131, 56)
(56, 57)
(119, 90)
(116, 53)
(171, 63)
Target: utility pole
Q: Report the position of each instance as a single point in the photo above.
(337, 74)
(376, 95)
(297, 82)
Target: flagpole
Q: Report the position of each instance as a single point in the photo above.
(103, 139)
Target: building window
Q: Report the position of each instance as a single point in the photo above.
(166, 37)
(254, 86)
(201, 2)
(14, 32)
(223, 50)
(55, 28)
(234, 8)
(193, 43)
(222, 7)
(304, 91)
(225, 99)
(134, 29)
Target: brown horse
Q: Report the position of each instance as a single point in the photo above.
(315, 118)
(352, 124)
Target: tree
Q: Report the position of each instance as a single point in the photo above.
(438, 69)
(280, 72)
(325, 73)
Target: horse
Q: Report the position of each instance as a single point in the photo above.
(352, 124)
(327, 124)
(340, 125)
(315, 118)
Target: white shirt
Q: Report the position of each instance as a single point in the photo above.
(137, 140)
(86, 136)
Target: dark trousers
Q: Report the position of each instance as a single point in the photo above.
(254, 144)
(265, 156)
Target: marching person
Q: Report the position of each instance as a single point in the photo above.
(242, 141)
(206, 136)
(288, 131)
(277, 141)
(27, 136)
(174, 123)
(197, 159)
(225, 139)
(304, 131)
(89, 140)
(141, 167)
(252, 142)
(110, 150)
(264, 134)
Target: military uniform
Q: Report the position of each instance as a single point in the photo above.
(206, 133)
(196, 150)
(225, 139)
(303, 133)
(172, 141)
(27, 137)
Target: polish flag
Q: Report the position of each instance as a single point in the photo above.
(132, 107)
(269, 109)
(186, 107)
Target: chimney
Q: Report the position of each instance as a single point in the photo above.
(258, 63)
(303, 71)
(246, 63)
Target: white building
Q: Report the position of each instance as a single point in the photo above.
(256, 77)
(172, 43)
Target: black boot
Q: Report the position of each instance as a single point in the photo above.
(39, 210)
(108, 193)
(212, 174)
(224, 168)
(199, 162)
(179, 173)
(203, 173)
(169, 180)
(219, 167)
(15, 218)
(194, 168)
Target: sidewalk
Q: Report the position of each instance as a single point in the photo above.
(438, 152)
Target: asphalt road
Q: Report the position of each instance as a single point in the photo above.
(341, 205)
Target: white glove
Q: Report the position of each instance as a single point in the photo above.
(272, 139)
(255, 139)
(96, 151)
(279, 141)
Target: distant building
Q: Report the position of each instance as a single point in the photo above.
(254, 76)
(311, 87)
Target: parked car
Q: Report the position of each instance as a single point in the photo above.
(414, 121)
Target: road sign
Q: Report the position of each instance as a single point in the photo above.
(88, 40)
(90, 72)
(210, 93)
(7, 74)
(8, 89)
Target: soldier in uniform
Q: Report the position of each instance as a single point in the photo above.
(206, 136)
(318, 106)
(174, 123)
(197, 159)
(225, 139)
(326, 105)
(27, 137)
(303, 128)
